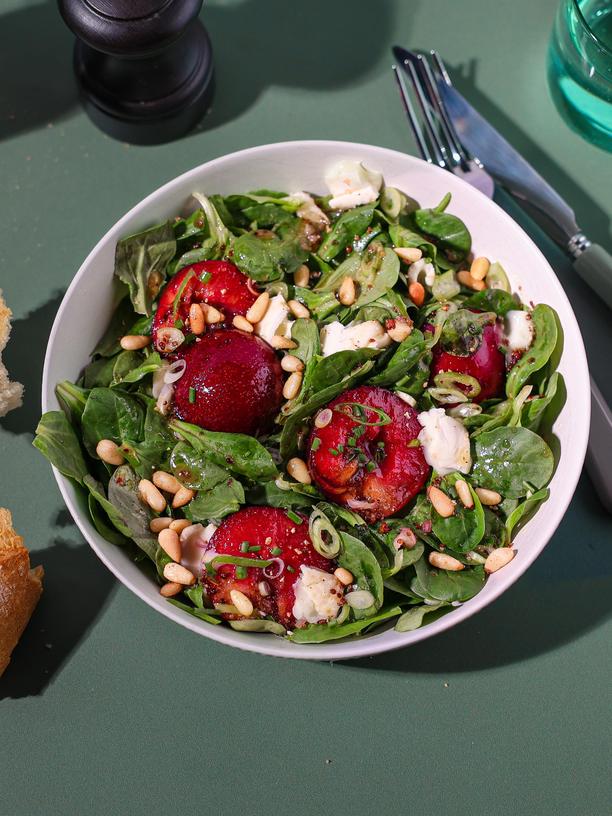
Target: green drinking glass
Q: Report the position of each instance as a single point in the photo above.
(580, 68)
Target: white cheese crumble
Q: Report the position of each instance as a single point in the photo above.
(318, 595)
(351, 185)
(445, 442)
(194, 540)
(422, 271)
(275, 321)
(309, 210)
(518, 329)
(407, 398)
(369, 334)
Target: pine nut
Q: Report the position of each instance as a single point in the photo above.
(400, 330)
(479, 268)
(240, 322)
(409, 254)
(298, 309)
(488, 497)
(180, 524)
(292, 386)
(176, 573)
(259, 308)
(169, 542)
(109, 452)
(156, 525)
(291, 363)
(416, 293)
(279, 342)
(463, 491)
(346, 292)
(133, 342)
(212, 315)
(182, 497)
(323, 418)
(241, 602)
(446, 562)
(465, 279)
(301, 277)
(170, 589)
(498, 559)
(197, 321)
(168, 339)
(151, 495)
(166, 481)
(441, 502)
(297, 468)
(344, 576)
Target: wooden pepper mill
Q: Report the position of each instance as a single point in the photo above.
(144, 67)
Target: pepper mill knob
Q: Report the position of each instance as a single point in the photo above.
(144, 67)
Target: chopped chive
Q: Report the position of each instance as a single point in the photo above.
(290, 568)
(333, 451)
(244, 546)
(254, 548)
(294, 517)
(205, 277)
(361, 457)
(380, 445)
(192, 395)
(241, 572)
(341, 448)
(351, 441)
(414, 443)
(178, 323)
(276, 551)
(316, 444)
(371, 466)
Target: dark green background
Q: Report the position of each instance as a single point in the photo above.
(110, 708)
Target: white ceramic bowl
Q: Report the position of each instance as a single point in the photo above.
(295, 166)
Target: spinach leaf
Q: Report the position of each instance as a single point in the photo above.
(143, 367)
(404, 358)
(320, 304)
(525, 510)
(442, 585)
(152, 450)
(413, 618)
(404, 237)
(351, 223)
(305, 333)
(72, 399)
(321, 632)
(335, 367)
(124, 363)
(217, 502)
(462, 331)
(375, 270)
(133, 513)
(100, 522)
(56, 439)
(445, 286)
(99, 373)
(512, 461)
(111, 414)
(203, 614)
(463, 530)
(218, 234)
(292, 494)
(194, 469)
(267, 258)
(545, 324)
(447, 231)
(142, 258)
(97, 494)
(535, 409)
(258, 625)
(495, 532)
(237, 453)
(358, 559)
(492, 300)
(120, 322)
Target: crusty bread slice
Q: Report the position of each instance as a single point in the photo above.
(11, 393)
(20, 587)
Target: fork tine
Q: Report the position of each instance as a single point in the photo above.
(439, 149)
(441, 67)
(412, 117)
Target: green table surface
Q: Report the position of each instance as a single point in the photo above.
(110, 708)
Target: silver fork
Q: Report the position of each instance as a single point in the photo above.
(439, 144)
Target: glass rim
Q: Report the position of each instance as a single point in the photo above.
(600, 43)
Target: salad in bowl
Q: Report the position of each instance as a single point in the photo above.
(313, 413)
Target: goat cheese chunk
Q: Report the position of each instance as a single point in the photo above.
(275, 321)
(422, 271)
(445, 442)
(518, 330)
(369, 334)
(318, 595)
(351, 184)
(309, 210)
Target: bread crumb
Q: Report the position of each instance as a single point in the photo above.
(11, 393)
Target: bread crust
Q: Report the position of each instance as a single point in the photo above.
(20, 587)
(11, 393)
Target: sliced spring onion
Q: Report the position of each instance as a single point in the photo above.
(465, 383)
(324, 536)
(179, 292)
(241, 572)
(276, 551)
(316, 444)
(358, 413)
(237, 561)
(244, 546)
(278, 566)
(359, 599)
(294, 517)
(192, 394)
(447, 395)
(467, 409)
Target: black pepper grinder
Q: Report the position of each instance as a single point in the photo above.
(144, 67)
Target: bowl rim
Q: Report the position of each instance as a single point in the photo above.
(350, 648)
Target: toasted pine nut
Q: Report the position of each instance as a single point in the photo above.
(197, 321)
(178, 574)
(292, 385)
(180, 524)
(212, 315)
(344, 576)
(488, 497)
(416, 293)
(409, 254)
(298, 309)
(346, 292)
(169, 542)
(169, 339)
(291, 363)
(259, 308)
(166, 481)
(156, 525)
(279, 342)
(151, 495)
(182, 497)
(297, 468)
(323, 418)
(133, 342)
(479, 268)
(441, 502)
(109, 452)
(446, 562)
(400, 330)
(240, 322)
(498, 559)
(241, 602)
(170, 589)
(301, 276)
(463, 491)
(466, 279)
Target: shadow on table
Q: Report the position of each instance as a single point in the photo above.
(566, 593)
(76, 588)
(37, 84)
(24, 357)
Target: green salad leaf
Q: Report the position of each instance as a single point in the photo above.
(140, 258)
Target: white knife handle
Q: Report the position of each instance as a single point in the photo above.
(594, 265)
(599, 452)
